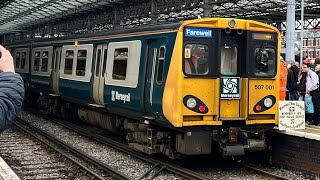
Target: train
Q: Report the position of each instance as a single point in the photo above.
(197, 87)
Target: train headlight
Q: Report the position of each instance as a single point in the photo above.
(268, 102)
(191, 103)
(232, 23)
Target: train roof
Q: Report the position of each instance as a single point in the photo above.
(206, 22)
(101, 34)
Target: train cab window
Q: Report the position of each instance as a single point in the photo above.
(23, 60)
(36, 64)
(265, 61)
(162, 53)
(68, 62)
(228, 60)
(120, 64)
(45, 60)
(18, 60)
(196, 59)
(81, 63)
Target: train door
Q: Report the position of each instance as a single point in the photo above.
(154, 85)
(99, 74)
(230, 82)
(56, 70)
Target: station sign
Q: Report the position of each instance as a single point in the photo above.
(291, 115)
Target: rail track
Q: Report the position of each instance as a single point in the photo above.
(69, 152)
(263, 172)
(32, 158)
(158, 166)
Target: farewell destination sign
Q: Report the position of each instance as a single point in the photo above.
(195, 32)
(291, 115)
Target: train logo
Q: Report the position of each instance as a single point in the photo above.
(121, 97)
(230, 88)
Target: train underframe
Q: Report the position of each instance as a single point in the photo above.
(230, 139)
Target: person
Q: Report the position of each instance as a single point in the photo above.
(295, 67)
(191, 64)
(317, 61)
(317, 70)
(292, 81)
(302, 83)
(11, 90)
(197, 63)
(297, 64)
(312, 88)
(291, 86)
(283, 79)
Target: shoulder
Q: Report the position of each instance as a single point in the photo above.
(313, 74)
(5, 76)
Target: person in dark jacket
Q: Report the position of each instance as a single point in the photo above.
(295, 69)
(292, 85)
(11, 90)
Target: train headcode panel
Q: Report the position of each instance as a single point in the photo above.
(291, 115)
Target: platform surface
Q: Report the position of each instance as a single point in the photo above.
(6, 173)
(310, 132)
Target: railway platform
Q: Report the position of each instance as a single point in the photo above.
(6, 173)
(297, 149)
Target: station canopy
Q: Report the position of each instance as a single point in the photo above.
(38, 17)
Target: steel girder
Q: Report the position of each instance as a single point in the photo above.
(51, 18)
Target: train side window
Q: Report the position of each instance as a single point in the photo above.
(161, 58)
(81, 63)
(98, 61)
(36, 64)
(18, 60)
(44, 61)
(123, 63)
(229, 58)
(23, 60)
(68, 62)
(120, 64)
(196, 59)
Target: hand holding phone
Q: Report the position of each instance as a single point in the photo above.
(6, 60)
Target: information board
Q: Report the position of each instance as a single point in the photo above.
(291, 115)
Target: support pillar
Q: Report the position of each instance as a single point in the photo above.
(207, 9)
(154, 15)
(290, 34)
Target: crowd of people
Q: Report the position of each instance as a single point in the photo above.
(298, 81)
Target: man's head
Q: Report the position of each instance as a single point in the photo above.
(306, 67)
(297, 63)
(317, 61)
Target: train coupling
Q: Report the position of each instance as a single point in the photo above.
(237, 143)
(256, 144)
(239, 149)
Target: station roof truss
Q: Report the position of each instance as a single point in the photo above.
(25, 19)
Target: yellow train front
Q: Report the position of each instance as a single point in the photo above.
(222, 86)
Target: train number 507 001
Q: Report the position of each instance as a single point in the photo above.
(266, 87)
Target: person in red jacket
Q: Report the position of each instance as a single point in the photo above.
(283, 79)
